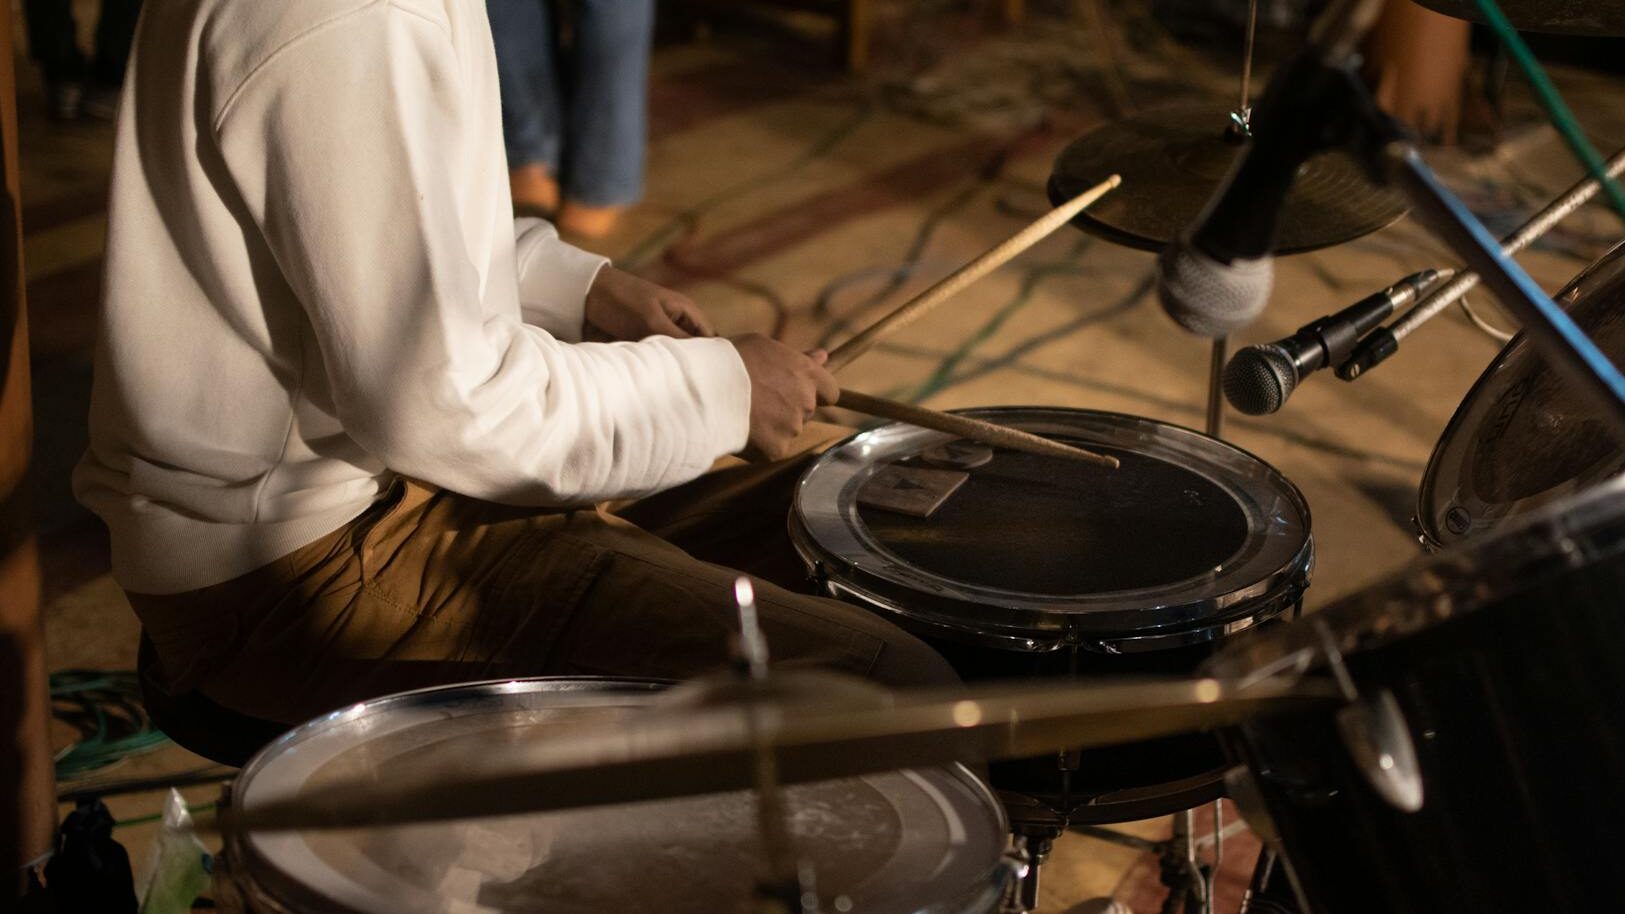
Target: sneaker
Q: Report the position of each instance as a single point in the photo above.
(583, 221)
(535, 190)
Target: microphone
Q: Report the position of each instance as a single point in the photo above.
(1259, 378)
(1216, 277)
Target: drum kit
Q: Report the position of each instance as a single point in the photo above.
(1451, 739)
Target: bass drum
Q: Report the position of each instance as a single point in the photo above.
(902, 842)
(1040, 566)
(1522, 438)
(1503, 661)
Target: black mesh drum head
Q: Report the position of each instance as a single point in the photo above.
(1521, 438)
(1043, 549)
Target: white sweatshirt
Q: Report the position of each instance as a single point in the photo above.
(315, 281)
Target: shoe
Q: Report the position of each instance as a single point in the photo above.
(100, 103)
(535, 190)
(63, 100)
(585, 221)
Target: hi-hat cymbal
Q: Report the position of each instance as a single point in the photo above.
(1569, 17)
(817, 731)
(1173, 158)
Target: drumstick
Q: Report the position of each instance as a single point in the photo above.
(966, 427)
(956, 281)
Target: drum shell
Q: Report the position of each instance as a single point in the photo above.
(1517, 712)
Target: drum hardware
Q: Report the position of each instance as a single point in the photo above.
(1189, 882)
(1374, 732)
(1382, 343)
(1215, 387)
(785, 884)
(1173, 157)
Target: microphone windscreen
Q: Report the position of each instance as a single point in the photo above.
(1210, 298)
(1259, 379)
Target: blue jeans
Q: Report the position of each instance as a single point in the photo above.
(585, 121)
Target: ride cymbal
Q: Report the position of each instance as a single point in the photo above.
(1173, 158)
(1567, 17)
(701, 740)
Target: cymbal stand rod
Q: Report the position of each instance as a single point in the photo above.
(1527, 234)
(1554, 334)
(1245, 111)
(1215, 387)
(783, 887)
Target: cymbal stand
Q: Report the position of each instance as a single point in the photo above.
(1215, 387)
(1240, 125)
(1317, 101)
(784, 884)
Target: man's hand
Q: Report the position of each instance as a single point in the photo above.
(621, 306)
(785, 387)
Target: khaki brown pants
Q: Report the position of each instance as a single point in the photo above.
(429, 587)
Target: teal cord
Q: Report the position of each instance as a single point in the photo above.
(106, 708)
(1556, 109)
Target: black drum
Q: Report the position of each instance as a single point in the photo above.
(898, 842)
(1039, 566)
(1522, 438)
(1505, 660)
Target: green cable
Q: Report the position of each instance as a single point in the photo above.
(92, 694)
(1562, 118)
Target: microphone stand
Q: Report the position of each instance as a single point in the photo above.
(1215, 387)
(1349, 117)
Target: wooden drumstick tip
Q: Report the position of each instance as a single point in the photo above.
(977, 430)
(957, 281)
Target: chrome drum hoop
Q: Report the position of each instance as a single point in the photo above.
(259, 883)
(1261, 580)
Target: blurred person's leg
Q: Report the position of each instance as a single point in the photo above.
(608, 114)
(523, 33)
(53, 46)
(1417, 60)
(115, 29)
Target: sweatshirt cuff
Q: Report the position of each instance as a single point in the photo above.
(554, 278)
(722, 385)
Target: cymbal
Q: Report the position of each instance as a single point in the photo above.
(1570, 17)
(819, 728)
(1173, 158)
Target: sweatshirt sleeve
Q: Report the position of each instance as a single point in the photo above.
(553, 278)
(343, 147)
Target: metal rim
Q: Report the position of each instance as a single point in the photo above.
(274, 888)
(1260, 579)
(1434, 589)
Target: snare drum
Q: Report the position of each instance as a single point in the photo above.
(1522, 437)
(1037, 566)
(894, 843)
(1506, 659)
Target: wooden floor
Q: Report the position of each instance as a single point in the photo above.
(783, 195)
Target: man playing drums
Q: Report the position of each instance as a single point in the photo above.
(345, 433)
